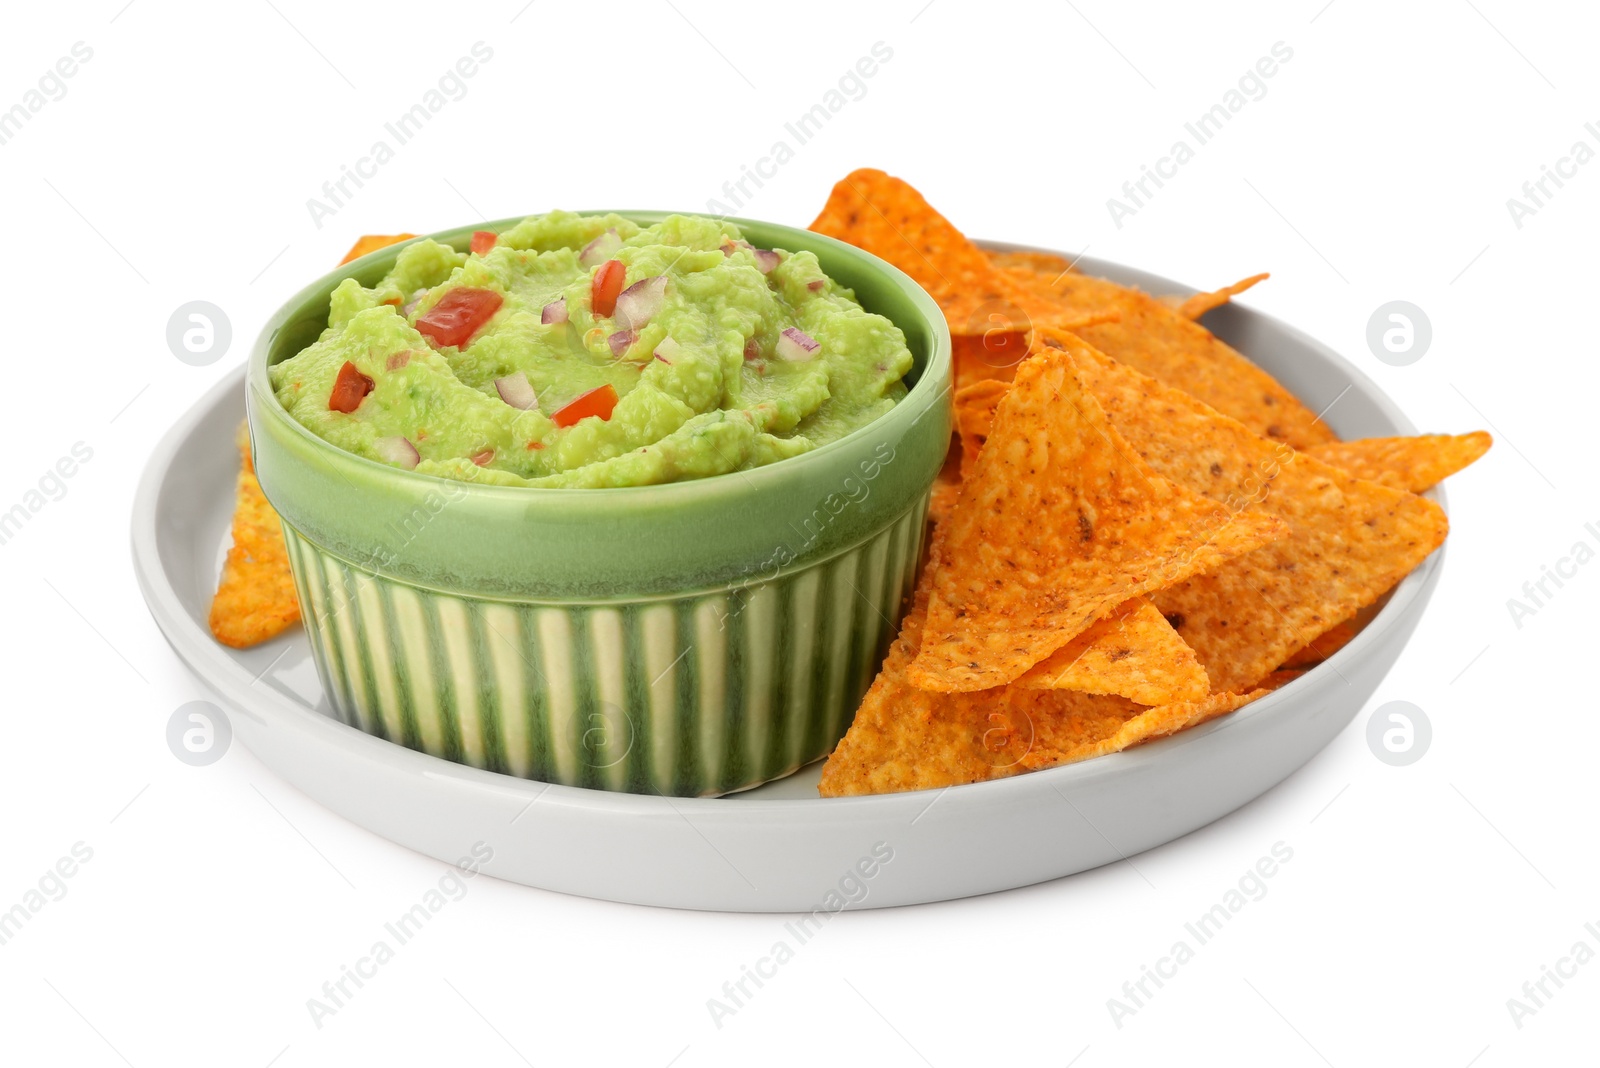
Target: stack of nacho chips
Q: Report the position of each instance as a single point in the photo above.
(1146, 530)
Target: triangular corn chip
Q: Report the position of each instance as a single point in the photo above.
(1133, 653)
(368, 243)
(904, 738)
(882, 214)
(1349, 539)
(255, 598)
(1412, 464)
(1197, 305)
(1058, 524)
(1322, 646)
(1161, 341)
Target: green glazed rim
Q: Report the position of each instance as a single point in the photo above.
(600, 545)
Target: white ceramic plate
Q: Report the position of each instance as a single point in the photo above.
(779, 848)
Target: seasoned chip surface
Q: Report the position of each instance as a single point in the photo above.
(1058, 523)
(1348, 540)
(1407, 463)
(255, 598)
(1133, 653)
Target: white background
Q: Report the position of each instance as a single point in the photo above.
(1377, 167)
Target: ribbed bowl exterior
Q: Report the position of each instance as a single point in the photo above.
(690, 695)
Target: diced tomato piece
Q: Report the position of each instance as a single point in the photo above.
(601, 401)
(349, 389)
(483, 241)
(459, 314)
(606, 287)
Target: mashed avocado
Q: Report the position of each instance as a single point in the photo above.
(586, 351)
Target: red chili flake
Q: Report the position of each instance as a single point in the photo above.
(458, 315)
(349, 389)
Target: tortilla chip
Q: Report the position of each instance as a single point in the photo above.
(255, 598)
(975, 407)
(1141, 331)
(994, 356)
(943, 500)
(904, 738)
(1323, 646)
(1412, 464)
(372, 243)
(1349, 539)
(1200, 303)
(1068, 738)
(1058, 524)
(1046, 263)
(890, 219)
(1133, 653)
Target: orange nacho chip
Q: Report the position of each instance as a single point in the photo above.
(255, 598)
(1349, 539)
(1045, 263)
(1149, 335)
(1058, 524)
(1322, 646)
(1067, 739)
(372, 243)
(1133, 653)
(885, 216)
(1196, 306)
(1412, 464)
(904, 738)
(975, 407)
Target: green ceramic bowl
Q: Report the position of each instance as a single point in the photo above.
(693, 638)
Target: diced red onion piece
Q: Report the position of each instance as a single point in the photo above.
(554, 312)
(517, 391)
(667, 352)
(752, 348)
(816, 284)
(397, 451)
(640, 302)
(600, 249)
(411, 305)
(620, 341)
(797, 346)
(766, 259)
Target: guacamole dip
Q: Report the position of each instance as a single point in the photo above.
(586, 351)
